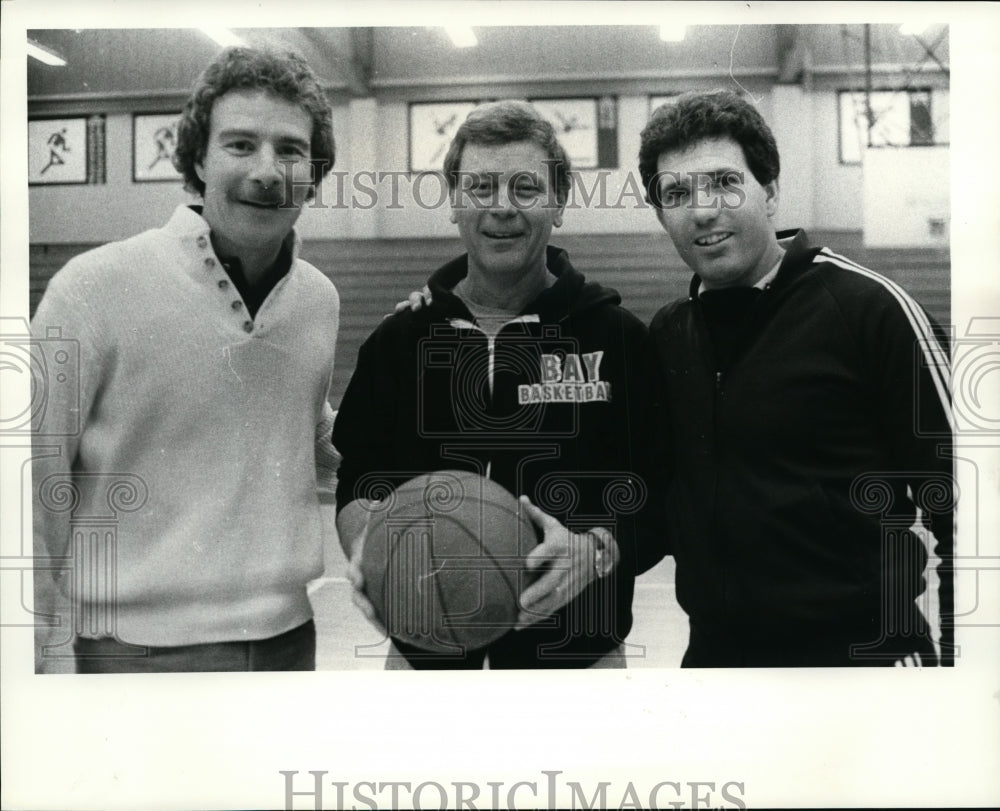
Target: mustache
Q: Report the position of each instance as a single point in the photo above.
(263, 196)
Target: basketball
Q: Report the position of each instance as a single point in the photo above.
(443, 561)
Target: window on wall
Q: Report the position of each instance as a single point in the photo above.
(900, 118)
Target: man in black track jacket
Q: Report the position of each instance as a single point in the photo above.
(807, 401)
(522, 371)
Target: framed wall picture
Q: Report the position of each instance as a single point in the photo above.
(432, 126)
(908, 117)
(575, 121)
(154, 138)
(58, 150)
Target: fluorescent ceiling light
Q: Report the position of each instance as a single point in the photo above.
(223, 36)
(461, 36)
(46, 55)
(673, 33)
(912, 29)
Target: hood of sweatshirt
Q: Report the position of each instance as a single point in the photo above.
(570, 296)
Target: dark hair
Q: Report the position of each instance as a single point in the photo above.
(693, 117)
(506, 122)
(285, 75)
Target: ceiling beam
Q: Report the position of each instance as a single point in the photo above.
(343, 57)
(791, 53)
(362, 59)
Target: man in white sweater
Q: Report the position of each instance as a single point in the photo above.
(178, 458)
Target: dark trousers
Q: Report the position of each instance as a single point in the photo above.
(807, 646)
(505, 654)
(292, 650)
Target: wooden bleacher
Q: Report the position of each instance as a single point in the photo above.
(372, 275)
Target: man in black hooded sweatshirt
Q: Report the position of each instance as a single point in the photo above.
(521, 371)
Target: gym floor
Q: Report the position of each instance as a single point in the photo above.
(347, 641)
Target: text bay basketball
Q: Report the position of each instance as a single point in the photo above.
(443, 561)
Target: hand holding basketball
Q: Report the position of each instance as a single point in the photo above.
(352, 526)
(442, 561)
(573, 561)
(357, 580)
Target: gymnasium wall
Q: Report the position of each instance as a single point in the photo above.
(816, 189)
(377, 250)
(371, 275)
(918, 197)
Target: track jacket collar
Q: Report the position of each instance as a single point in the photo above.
(798, 253)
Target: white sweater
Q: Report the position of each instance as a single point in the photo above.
(192, 437)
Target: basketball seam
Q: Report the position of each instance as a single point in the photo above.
(487, 492)
(441, 609)
(389, 559)
(493, 559)
(505, 577)
(503, 574)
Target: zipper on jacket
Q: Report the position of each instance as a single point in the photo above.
(716, 535)
(711, 360)
(491, 344)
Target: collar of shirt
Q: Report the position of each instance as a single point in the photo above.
(765, 280)
(492, 319)
(254, 294)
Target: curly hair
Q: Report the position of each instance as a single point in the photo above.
(507, 122)
(693, 117)
(286, 75)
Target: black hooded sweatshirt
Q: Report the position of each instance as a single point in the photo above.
(569, 420)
